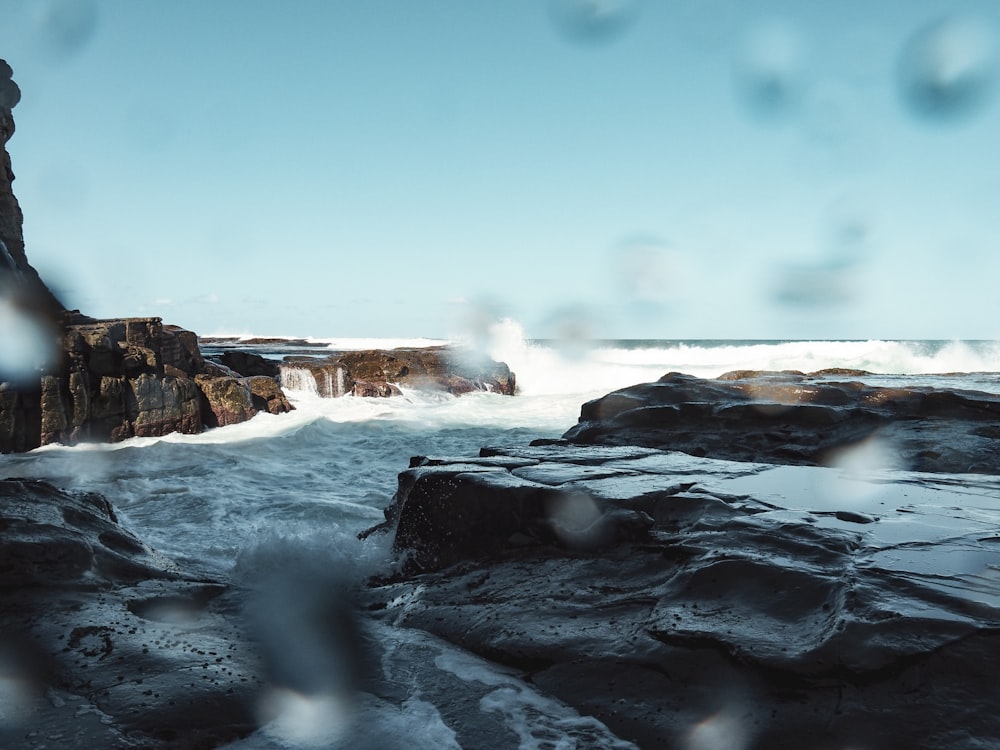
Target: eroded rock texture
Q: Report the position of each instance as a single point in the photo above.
(690, 603)
(799, 419)
(125, 378)
(106, 643)
(381, 372)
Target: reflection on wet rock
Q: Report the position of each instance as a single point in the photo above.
(749, 612)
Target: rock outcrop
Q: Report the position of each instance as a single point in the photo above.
(125, 378)
(18, 279)
(800, 419)
(380, 372)
(106, 643)
(696, 603)
(100, 380)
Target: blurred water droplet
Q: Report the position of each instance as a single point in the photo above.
(593, 21)
(65, 27)
(858, 464)
(576, 520)
(830, 284)
(476, 322)
(850, 229)
(721, 730)
(768, 69)
(572, 330)
(27, 344)
(946, 69)
(648, 272)
(305, 721)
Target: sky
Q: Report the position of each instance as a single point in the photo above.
(599, 168)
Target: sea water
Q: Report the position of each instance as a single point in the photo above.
(234, 501)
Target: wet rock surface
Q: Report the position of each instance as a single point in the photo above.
(800, 419)
(107, 644)
(755, 606)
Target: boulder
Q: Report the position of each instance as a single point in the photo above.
(800, 419)
(266, 395)
(226, 400)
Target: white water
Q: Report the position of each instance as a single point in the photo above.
(230, 502)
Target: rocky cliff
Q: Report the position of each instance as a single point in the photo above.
(18, 280)
(80, 379)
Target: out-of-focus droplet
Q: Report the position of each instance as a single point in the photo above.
(648, 272)
(27, 344)
(576, 520)
(593, 21)
(305, 720)
(21, 667)
(769, 69)
(721, 730)
(820, 285)
(859, 468)
(65, 27)
(873, 454)
(947, 69)
(850, 229)
(572, 330)
(476, 323)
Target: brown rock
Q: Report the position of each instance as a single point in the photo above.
(380, 372)
(226, 400)
(266, 395)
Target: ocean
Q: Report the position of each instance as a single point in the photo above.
(234, 500)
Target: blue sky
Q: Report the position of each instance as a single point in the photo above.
(664, 169)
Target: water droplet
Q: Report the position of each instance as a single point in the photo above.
(768, 69)
(593, 21)
(27, 344)
(572, 330)
(65, 27)
(648, 271)
(850, 229)
(946, 70)
(829, 284)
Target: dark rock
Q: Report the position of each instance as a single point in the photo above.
(749, 611)
(18, 279)
(109, 379)
(108, 644)
(129, 377)
(799, 419)
(380, 372)
(248, 363)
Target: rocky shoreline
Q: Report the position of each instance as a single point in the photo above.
(652, 597)
(765, 561)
